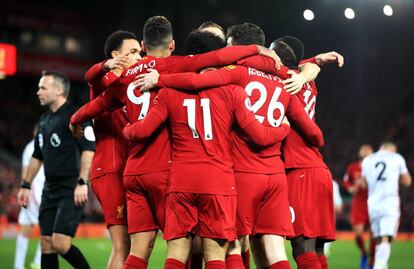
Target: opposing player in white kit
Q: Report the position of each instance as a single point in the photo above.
(382, 172)
(28, 217)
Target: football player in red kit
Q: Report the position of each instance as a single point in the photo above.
(202, 192)
(145, 174)
(260, 178)
(309, 179)
(121, 49)
(359, 207)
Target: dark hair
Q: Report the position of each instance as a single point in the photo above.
(246, 34)
(202, 41)
(59, 77)
(157, 32)
(114, 41)
(209, 24)
(290, 50)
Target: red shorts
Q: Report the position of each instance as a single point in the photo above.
(311, 200)
(263, 204)
(146, 195)
(205, 215)
(359, 212)
(110, 192)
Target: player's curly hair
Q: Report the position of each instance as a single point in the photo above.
(201, 41)
(290, 50)
(246, 34)
(157, 32)
(114, 41)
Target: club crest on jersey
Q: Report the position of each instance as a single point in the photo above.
(120, 211)
(230, 67)
(55, 140)
(40, 137)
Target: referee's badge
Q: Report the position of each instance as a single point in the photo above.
(55, 140)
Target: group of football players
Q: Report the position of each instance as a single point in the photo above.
(218, 149)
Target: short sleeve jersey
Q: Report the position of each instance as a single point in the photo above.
(56, 146)
(353, 173)
(297, 152)
(270, 103)
(382, 171)
(201, 125)
(111, 146)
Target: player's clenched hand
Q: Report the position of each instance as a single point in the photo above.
(81, 194)
(76, 130)
(295, 83)
(148, 80)
(270, 53)
(127, 131)
(330, 57)
(285, 121)
(23, 197)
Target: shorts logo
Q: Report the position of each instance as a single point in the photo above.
(120, 211)
(292, 214)
(55, 140)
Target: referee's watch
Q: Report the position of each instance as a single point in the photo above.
(82, 181)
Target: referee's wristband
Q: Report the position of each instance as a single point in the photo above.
(26, 185)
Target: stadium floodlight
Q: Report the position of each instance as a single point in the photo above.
(388, 10)
(308, 15)
(349, 13)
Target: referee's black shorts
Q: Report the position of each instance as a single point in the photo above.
(58, 212)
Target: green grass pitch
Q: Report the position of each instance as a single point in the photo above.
(344, 254)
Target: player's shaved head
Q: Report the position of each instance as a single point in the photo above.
(214, 28)
(388, 145)
(364, 151)
(157, 33)
(202, 41)
(114, 41)
(290, 50)
(245, 34)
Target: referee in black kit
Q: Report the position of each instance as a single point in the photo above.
(66, 163)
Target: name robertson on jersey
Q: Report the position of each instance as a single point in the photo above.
(254, 72)
(140, 68)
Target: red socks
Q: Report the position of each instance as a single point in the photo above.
(246, 259)
(308, 260)
(195, 261)
(216, 265)
(280, 265)
(133, 262)
(323, 261)
(361, 245)
(173, 264)
(234, 262)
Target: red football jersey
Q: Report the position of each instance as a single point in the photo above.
(154, 154)
(353, 174)
(270, 103)
(111, 146)
(201, 124)
(297, 152)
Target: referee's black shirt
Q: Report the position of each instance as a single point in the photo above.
(56, 146)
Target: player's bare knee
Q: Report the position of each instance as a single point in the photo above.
(46, 244)
(234, 248)
(215, 249)
(61, 243)
(179, 248)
